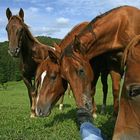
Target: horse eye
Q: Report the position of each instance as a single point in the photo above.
(81, 72)
(53, 76)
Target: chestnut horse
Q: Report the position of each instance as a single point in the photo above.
(24, 46)
(128, 121)
(98, 37)
(99, 64)
(98, 69)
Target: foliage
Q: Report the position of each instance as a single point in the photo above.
(60, 125)
(9, 66)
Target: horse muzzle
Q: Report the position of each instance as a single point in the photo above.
(14, 52)
(43, 111)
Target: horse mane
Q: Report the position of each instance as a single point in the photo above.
(106, 13)
(130, 49)
(68, 50)
(89, 26)
(69, 37)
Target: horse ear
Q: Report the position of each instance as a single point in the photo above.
(53, 56)
(8, 13)
(76, 44)
(78, 47)
(21, 14)
(57, 47)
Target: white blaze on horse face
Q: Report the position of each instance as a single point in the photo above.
(43, 76)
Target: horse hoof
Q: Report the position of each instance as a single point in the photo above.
(32, 116)
(94, 116)
(60, 106)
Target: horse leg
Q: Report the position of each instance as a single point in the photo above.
(93, 94)
(94, 104)
(31, 94)
(61, 102)
(105, 90)
(68, 90)
(116, 77)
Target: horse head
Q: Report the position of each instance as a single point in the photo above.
(15, 31)
(49, 84)
(71, 66)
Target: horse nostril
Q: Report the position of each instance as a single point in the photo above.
(17, 50)
(39, 112)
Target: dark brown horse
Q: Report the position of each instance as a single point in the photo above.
(128, 121)
(24, 46)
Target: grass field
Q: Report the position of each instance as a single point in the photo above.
(15, 123)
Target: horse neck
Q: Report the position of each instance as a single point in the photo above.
(98, 40)
(68, 39)
(26, 48)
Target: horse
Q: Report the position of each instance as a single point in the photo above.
(45, 89)
(96, 63)
(24, 46)
(97, 38)
(128, 121)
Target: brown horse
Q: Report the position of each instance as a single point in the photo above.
(59, 84)
(128, 121)
(98, 37)
(23, 45)
(99, 64)
(103, 72)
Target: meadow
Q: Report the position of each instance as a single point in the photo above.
(16, 124)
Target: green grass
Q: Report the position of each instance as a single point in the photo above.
(15, 123)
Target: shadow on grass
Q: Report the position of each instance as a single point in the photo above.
(107, 126)
(62, 117)
(64, 106)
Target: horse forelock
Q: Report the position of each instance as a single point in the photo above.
(25, 27)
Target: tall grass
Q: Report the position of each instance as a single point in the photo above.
(15, 123)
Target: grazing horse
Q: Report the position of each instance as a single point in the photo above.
(97, 38)
(99, 71)
(51, 67)
(128, 121)
(24, 46)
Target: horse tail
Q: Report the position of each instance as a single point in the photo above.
(129, 48)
